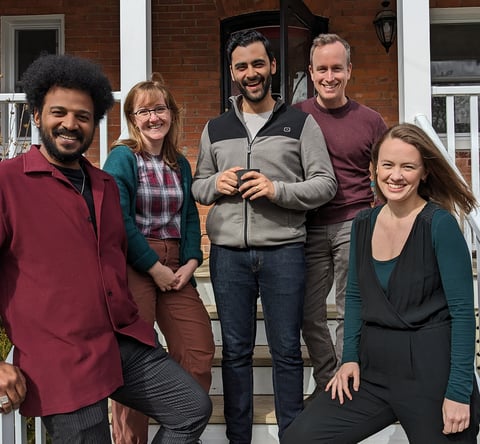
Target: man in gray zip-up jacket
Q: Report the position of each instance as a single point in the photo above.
(262, 165)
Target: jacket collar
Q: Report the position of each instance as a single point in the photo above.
(35, 162)
(236, 100)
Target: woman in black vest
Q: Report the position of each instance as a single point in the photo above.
(409, 342)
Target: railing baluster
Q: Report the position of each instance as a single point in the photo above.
(7, 429)
(20, 428)
(12, 125)
(450, 106)
(474, 142)
(40, 432)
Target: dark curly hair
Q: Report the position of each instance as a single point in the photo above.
(70, 72)
(245, 38)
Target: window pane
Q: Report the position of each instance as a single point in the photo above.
(462, 114)
(31, 44)
(455, 60)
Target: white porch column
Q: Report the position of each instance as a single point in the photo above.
(135, 46)
(414, 83)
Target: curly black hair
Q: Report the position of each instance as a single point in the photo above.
(70, 72)
(247, 37)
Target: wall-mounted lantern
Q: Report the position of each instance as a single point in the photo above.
(386, 25)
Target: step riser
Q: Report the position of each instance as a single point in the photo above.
(204, 287)
(261, 336)
(268, 434)
(262, 381)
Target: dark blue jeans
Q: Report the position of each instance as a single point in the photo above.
(239, 277)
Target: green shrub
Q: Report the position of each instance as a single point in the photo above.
(5, 344)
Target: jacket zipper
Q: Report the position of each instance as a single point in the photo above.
(249, 153)
(245, 203)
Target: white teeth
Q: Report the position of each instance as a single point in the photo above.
(63, 136)
(391, 185)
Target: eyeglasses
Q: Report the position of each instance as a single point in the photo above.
(144, 113)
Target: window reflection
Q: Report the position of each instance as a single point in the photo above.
(455, 60)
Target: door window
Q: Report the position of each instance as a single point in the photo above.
(290, 44)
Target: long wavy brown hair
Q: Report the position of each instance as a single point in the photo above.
(442, 184)
(150, 90)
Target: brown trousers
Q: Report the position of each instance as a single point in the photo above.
(185, 324)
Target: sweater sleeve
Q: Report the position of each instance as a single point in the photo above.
(190, 226)
(319, 185)
(353, 306)
(204, 187)
(122, 165)
(455, 267)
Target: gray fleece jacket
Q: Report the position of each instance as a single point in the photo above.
(289, 150)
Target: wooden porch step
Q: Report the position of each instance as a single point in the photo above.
(263, 413)
(212, 311)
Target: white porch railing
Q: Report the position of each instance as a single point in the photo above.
(468, 115)
(13, 428)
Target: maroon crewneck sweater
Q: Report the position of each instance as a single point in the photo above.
(350, 132)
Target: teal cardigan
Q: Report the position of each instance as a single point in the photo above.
(122, 165)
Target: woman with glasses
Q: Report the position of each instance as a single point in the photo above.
(163, 230)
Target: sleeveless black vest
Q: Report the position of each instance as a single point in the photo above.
(415, 296)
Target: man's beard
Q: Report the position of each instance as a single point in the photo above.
(267, 83)
(55, 153)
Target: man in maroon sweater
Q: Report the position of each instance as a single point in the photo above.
(350, 130)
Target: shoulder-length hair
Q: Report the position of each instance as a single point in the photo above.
(171, 143)
(442, 184)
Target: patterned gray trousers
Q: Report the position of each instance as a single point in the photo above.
(155, 385)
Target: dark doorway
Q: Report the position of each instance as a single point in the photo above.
(291, 31)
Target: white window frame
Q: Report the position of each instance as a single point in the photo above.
(456, 15)
(10, 24)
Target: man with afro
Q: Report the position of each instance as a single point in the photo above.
(64, 300)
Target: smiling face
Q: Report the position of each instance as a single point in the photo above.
(399, 170)
(252, 72)
(330, 73)
(66, 125)
(154, 126)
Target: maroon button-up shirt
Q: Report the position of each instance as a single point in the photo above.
(63, 289)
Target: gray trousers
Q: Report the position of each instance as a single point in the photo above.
(153, 384)
(327, 252)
